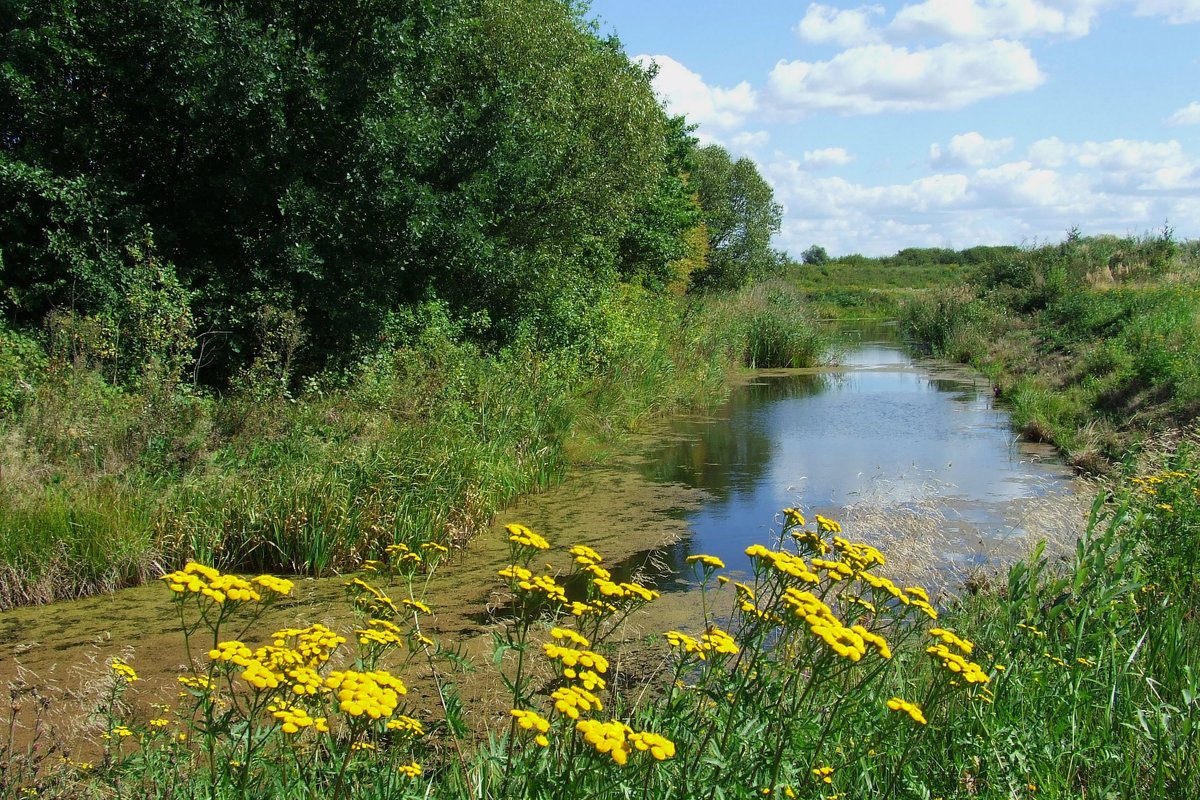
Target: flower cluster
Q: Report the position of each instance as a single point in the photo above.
(524, 537)
(912, 709)
(533, 721)
(375, 694)
(123, 671)
(783, 562)
(205, 581)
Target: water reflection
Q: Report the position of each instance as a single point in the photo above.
(881, 429)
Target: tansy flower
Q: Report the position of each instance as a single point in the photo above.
(532, 721)
(912, 709)
(709, 562)
(123, 671)
(660, 747)
(521, 535)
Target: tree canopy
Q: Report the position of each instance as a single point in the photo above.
(343, 161)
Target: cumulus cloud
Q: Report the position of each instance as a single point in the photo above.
(1124, 165)
(685, 92)
(1177, 12)
(1188, 115)
(976, 20)
(878, 78)
(1117, 186)
(968, 150)
(825, 24)
(827, 157)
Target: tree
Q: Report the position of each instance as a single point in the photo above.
(815, 255)
(741, 217)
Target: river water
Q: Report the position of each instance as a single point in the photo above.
(913, 455)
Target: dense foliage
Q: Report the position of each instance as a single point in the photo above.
(299, 173)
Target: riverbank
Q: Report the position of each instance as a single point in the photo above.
(1093, 343)
(107, 486)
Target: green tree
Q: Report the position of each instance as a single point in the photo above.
(815, 255)
(741, 216)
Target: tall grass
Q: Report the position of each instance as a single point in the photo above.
(421, 439)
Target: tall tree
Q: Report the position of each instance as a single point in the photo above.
(741, 215)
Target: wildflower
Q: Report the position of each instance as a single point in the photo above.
(362, 746)
(278, 586)
(957, 665)
(606, 737)
(826, 525)
(708, 562)
(660, 747)
(407, 725)
(523, 536)
(570, 635)
(571, 701)
(1087, 662)
(199, 683)
(794, 517)
(948, 637)
(435, 547)
(417, 605)
(375, 694)
(159, 722)
(912, 709)
(121, 731)
(123, 671)
(412, 770)
(823, 774)
(1039, 633)
(585, 556)
(685, 643)
(532, 721)
(874, 639)
(716, 640)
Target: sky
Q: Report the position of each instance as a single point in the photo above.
(940, 123)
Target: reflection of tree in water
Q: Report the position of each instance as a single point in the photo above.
(959, 390)
(730, 455)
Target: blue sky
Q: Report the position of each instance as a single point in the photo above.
(941, 123)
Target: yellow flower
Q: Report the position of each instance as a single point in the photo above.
(417, 605)
(794, 517)
(660, 747)
(532, 721)
(412, 770)
(912, 709)
(123, 671)
(521, 535)
(823, 774)
(716, 640)
(570, 635)
(606, 737)
(709, 562)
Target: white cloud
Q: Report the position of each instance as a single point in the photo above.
(1124, 165)
(1177, 12)
(749, 141)
(824, 23)
(1188, 115)
(976, 20)
(827, 157)
(685, 92)
(968, 150)
(879, 78)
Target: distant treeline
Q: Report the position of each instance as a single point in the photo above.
(197, 186)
